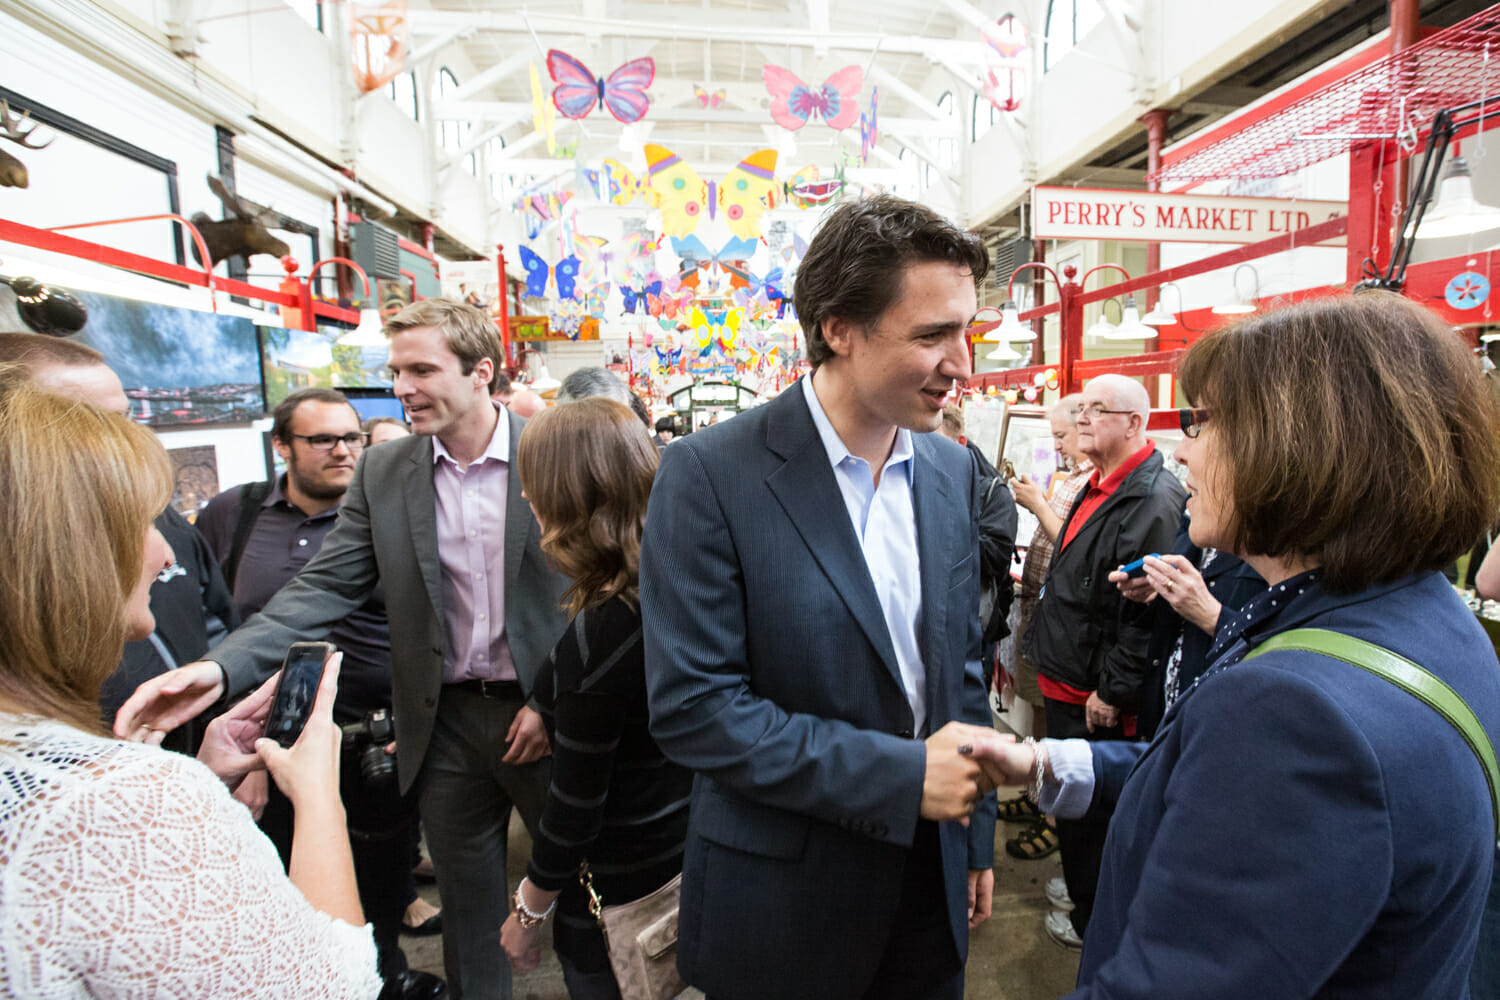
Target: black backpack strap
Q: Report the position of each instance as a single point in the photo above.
(252, 495)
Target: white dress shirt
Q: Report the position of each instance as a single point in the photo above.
(885, 522)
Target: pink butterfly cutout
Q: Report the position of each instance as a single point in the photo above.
(794, 104)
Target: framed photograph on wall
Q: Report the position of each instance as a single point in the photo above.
(1026, 443)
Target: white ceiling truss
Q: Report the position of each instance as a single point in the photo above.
(491, 46)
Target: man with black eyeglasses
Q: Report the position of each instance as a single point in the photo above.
(1088, 642)
(263, 534)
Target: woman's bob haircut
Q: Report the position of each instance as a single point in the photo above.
(587, 469)
(1357, 432)
(80, 489)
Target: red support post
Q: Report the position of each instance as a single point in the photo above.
(1038, 296)
(1372, 183)
(1071, 336)
(505, 345)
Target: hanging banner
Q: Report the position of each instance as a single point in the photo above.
(1065, 213)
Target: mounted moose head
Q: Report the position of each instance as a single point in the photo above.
(244, 234)
(12, 170)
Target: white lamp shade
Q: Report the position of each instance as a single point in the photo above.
(1003, 352)
(1101, 329)
(1159, 316)
(368, 333)
(1131, 327)
(1011, 327)
(1456, 212)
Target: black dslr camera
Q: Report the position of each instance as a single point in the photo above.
(367, 739)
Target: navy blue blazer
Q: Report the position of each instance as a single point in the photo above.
(1300, 827)
(772, 675)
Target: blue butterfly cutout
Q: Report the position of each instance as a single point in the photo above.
(635, 297)
(565, 274)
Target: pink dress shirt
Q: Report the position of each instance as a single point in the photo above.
(471, 548)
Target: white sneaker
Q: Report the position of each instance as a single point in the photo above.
(1060, 929)
(1056, 892)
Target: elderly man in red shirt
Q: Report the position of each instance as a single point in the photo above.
(1089, 643)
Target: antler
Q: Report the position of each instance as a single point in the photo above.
(14, 128)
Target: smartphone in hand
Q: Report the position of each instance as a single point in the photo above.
(1138, 568)
(291, 706)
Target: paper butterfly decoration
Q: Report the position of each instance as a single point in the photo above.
(669, 303)
(543, 117)
(579, 91)
(639, 296)
(707, 100)
(565, 275)
(719, 324)
(757, 306)
(621, 186)
(869, 133)
(807, 188)
(684, 197)
(794, 103)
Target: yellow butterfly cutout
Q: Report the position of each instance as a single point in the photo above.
(685, 197)
(624, 186)
(543, 114)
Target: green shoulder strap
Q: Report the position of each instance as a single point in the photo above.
(1411, 678)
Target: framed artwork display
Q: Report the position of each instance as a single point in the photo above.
(1026, 443)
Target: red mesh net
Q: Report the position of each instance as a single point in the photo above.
(1394, 98)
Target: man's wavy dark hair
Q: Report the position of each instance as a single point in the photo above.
(854, 267)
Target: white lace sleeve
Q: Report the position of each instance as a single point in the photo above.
(130, 872)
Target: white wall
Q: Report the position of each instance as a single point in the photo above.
(1101, 87)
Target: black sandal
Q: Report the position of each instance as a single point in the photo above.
(1018, 810)
(1038, 841)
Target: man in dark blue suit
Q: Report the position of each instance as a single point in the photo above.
(810, 586)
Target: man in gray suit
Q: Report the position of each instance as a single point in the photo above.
(810, 590)
(437, 519)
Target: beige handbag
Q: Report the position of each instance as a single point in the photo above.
(642, 940)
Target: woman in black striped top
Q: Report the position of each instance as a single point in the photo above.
(615, 800)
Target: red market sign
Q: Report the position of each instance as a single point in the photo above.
(1065, 213)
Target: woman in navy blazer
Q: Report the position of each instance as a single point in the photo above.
(1276, 838)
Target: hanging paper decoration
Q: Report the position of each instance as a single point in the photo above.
(1004, 79)
(757, 306)
(635, 297)
(807, 188)
(684, 197)
(794, 103)
(543, 117)
(378, 34)
(579, 91)
(707, 100)
(669, 303)
(563, 275)
(712, 326)
(731, 257)
(622, 186)
(869, 133)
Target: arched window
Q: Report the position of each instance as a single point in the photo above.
(500, 186)
(985, 115)
(1068, 21)
(947, 148)
(310, 11)
(403, 90)
(454, 133)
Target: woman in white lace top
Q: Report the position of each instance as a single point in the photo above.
(127, 870)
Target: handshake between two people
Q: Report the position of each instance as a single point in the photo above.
(966, 762)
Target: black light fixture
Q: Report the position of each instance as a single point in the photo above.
(1446, 125)
(47, 309)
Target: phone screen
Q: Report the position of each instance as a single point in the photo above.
(292, 704)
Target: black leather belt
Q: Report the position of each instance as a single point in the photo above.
(490, 689)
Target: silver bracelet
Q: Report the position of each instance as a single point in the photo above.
(1039, 772)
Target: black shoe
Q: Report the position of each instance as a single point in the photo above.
(415, 985)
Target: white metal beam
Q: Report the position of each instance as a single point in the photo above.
(494, 74)
(895, 85)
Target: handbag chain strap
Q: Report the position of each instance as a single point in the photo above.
(1415, 680)
(596, 905)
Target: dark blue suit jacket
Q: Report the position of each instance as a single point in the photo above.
(1302, 828)
(772, 675)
